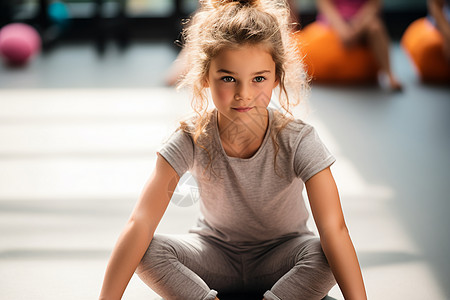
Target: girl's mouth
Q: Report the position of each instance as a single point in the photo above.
(242, 109)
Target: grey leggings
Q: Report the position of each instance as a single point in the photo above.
(193, 267)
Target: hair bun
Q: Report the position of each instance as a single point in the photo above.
(217, 3)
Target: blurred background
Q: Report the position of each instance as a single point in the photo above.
(120, 24)
(127, 20)
(81, 120)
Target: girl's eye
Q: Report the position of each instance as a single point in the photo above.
(227, 79)
(259, 79)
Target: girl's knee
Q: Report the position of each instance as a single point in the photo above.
(322, 266)
(314, 256)
(312, 250)
(157, 252)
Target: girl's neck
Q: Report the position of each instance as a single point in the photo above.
(242, 138)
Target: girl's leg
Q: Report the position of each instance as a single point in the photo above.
(295, 269)
(186, 267)
(378, 41)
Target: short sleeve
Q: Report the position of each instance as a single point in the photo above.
(178, 151)
(311, 155)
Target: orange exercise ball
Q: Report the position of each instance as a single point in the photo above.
(328, 60)
(424, 45)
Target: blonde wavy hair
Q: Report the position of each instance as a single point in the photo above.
(227, 24)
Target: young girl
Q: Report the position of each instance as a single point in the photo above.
(251, 164)
(356, 21)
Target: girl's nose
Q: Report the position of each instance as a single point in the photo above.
(243, 92)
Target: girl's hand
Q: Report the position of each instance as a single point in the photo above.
(348, 35)
(345, 31)
(446, 47)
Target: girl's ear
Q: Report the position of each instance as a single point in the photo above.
(277, 81)
(205, 82)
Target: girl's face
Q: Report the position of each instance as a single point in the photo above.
(241, 82)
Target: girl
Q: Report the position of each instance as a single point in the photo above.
(251, 164)
(359, 20)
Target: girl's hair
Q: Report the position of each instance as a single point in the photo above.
(227, 24)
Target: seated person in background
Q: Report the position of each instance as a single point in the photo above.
(427, 43)
(358, 21)
(439, 11)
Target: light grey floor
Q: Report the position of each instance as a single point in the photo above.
(77, 141)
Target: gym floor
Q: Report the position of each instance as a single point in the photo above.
(78, 138)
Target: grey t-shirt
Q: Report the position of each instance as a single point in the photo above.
(248, 200)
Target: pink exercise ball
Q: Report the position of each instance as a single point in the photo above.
(19, 42)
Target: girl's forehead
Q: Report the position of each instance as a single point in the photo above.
(244, 56)
(245, 48)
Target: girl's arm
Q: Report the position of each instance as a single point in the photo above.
(138, 232)
(336, 21)
(334, 237)
(436, 9)
(365, 16)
